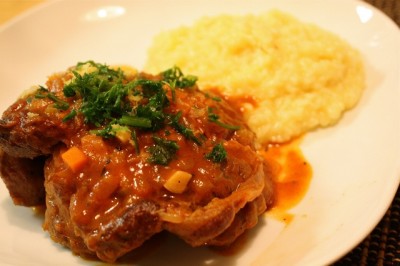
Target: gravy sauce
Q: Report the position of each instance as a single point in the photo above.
(292, 177)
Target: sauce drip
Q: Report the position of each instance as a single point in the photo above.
(292, 173)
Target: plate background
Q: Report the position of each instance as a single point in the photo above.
(356, 164)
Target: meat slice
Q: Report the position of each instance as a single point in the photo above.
(33, 126)
(24, 179)
(26, 134)
(169, 132)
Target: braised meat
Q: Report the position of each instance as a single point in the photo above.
(131, 154)
(24, 179)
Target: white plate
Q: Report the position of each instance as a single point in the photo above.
(356, 163)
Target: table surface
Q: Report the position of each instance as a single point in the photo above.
(382, 246)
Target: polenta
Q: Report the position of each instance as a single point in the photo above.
(303, 77)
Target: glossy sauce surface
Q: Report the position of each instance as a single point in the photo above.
(117, 175)
(291, 172)
(292, 177)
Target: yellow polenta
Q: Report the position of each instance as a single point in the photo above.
(302, 76)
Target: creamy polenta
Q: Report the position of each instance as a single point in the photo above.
(303, 77)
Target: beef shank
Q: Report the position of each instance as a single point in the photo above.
(159, 154)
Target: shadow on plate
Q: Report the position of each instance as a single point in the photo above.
(30, 219)
(162, 249)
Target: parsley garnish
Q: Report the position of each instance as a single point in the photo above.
(214, 98)
(175, 78)
(218, 154)
(42, 92)
(109, 102)
(135, 121)
(135, 141)
(213, 117)
(157, 101)
(106, 132)
(185, 131)
(163, 151)
(69, 116)
(102, 92)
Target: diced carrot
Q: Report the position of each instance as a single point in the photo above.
(74, 158)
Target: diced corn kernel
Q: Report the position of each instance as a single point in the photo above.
(178, 181)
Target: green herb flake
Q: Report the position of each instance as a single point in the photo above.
(175, 78)
(218, 154)
(213, 117)
(106, 132)
(214, 98)
(104, 101)
(134, 121)
(163, 151)
(69, 116)
(135, 141)
(185, 131)
(102, 92)
(42, 93)
(157, 101)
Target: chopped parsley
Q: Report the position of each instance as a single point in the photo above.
(217, 154)
(213, 117)
(162, 151)
(58, 103)
(107, 132)
(185, 131)
(116, 107)
(135, 121)
(175, 78)
(69, 116)
(214, 98)
(135, 141)
(157, 101)
(102, 91)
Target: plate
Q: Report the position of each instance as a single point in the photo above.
(356, 163)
